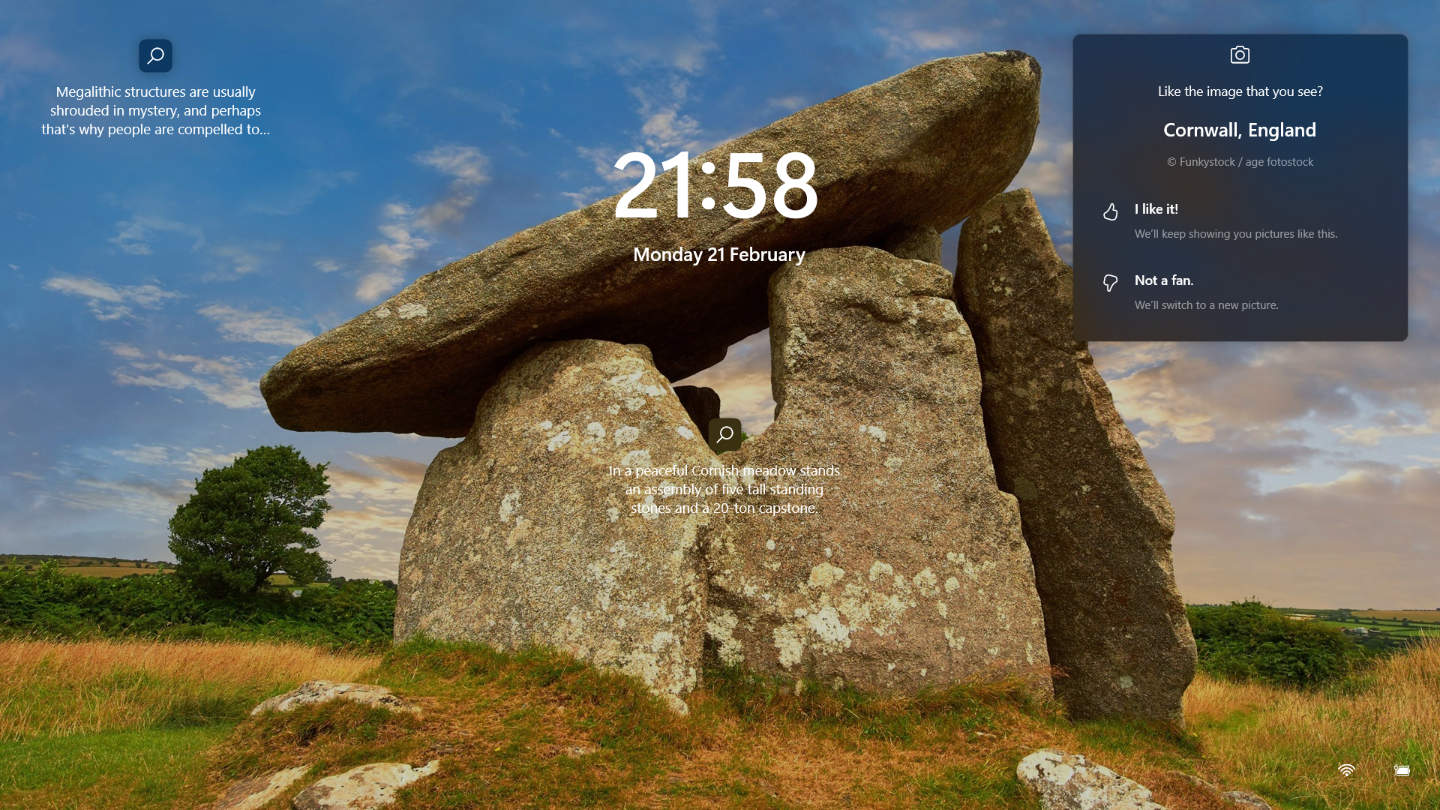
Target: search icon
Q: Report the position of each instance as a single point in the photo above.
(156, 55)
(724, 434)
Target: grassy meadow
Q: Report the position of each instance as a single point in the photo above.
(108, 724)
(130, 724)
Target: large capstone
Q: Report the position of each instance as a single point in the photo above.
(912, 571)
(921, 149)
(523, 533)
(1097, 521)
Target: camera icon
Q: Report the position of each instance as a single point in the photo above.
(1239, 55)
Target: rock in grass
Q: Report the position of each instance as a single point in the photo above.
(1097, 521)
(922, 148)
(1071, 782)
(258, 791)
(1245, 799)
(312, 692)
(912, 572)
(523, 534)
(362, 788)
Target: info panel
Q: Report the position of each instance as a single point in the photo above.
(1240, 187)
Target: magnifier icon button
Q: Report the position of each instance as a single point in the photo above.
(156, 55)
(723, 434)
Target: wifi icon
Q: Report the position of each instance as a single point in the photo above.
(1346, 769)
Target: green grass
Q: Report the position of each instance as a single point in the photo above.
(537, 728)
(142, 768)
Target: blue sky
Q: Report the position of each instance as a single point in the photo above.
(148, 284)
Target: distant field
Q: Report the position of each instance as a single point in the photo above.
(104, 567)
(1430, 616)
(74, 561)
(110, 571)
(1384, 629)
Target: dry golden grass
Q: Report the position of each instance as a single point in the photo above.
(1292, 743)
(67, 688)
(536, 729)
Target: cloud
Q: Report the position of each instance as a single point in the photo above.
(311, 187)
(144, 454)
(194, 460)
(664, 130)
(402, 468)
(372, 504)
(584, 196)
(388, 479)
(602, 160)
(1427, 157)
(405, 230)
(785, 103)
(377, 284)
(1048, 170)
(674, 37)
(108, 302)
(152, 500)
(1334, 543)
(663, 127)
(134, 235)
(468, 169)
(400, 243)
(222, 380)
(669, 130)
(910, 34)
(327, 265)
(247, 326)
(1390, 426)
(235, 262)
(465, 164)
(20, 55)
(742, 380)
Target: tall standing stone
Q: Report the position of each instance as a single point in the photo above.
(1097, 521)
(524, 534)
(912, 572)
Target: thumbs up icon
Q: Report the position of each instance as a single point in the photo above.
(1111, 214)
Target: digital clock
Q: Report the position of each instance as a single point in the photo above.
(681, 164)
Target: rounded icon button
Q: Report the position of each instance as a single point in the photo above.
(723, 434)
(156, 55)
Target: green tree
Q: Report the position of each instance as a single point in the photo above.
(1250, 641)
(249, 520)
